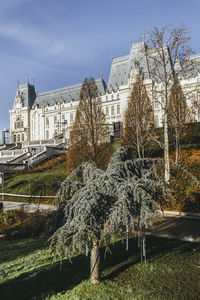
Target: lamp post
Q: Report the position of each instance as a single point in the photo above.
(2, 183)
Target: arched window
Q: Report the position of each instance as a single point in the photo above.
(18, 138)
(47, 121)
(14, 138)
(47, 134)
(22, 137)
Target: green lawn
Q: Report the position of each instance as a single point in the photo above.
(45, 183)
(39, 183)
(28, 272)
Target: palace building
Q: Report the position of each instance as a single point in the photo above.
(46, 116)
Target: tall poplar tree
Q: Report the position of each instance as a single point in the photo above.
(178, 113)
(139, 120)
(89, 128)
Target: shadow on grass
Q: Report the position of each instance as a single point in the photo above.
(52, 279)
(156, 247)
(47, 280)
(13, 249)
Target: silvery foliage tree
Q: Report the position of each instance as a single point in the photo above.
(97, 205)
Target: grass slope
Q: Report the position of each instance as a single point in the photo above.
(27, 272)
(43, 180)
(38, 183)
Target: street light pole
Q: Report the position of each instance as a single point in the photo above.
(2, 184)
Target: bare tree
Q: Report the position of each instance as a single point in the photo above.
(167, 52)
(178, 113)
(89, 128)
(139, 119)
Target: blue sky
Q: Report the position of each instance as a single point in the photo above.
(57, 43)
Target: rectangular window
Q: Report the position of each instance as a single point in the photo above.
(55, 119)
(162, 119)
(47, 121)
(156, 121)
(112, 110)
(156, 104)
(118, 109)
(71, 117)
(107, 111)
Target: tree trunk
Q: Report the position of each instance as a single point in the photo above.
(177, 146)
(166, 149)
(95, 264)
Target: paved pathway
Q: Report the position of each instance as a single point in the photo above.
(182, 228)
(28, 207)
(186, 229)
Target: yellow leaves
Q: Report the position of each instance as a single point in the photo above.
(186, 189)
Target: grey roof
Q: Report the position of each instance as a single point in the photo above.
(71, 93)
(67, 94)
(122, 66)
(119, 75)
(27, 94)
(193, 69)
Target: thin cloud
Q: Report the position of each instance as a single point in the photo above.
(42, 43)
(32, 38)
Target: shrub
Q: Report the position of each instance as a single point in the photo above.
(185, 182)
(19, 223)
(49, 164)
(76, 155)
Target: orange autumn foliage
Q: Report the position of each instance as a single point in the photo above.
(185, 182)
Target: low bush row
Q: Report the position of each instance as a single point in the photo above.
(21, 224)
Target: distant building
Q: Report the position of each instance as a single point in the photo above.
(46, 116)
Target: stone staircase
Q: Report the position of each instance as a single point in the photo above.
(30, 155)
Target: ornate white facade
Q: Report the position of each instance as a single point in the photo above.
(48, 115)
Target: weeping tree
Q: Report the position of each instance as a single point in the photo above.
(97, 205)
